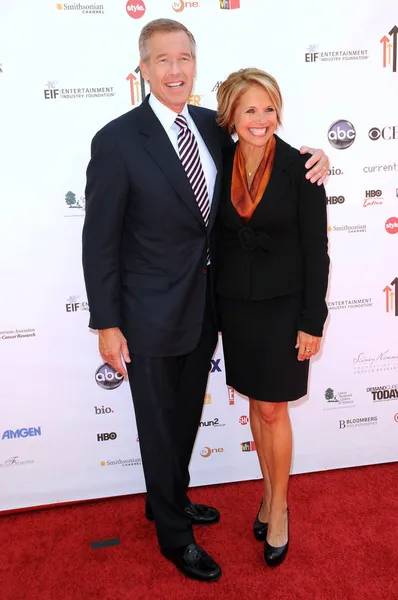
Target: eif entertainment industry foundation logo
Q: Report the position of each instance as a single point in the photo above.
(375, 362)
(390, 49)
(83, 9)
(383, 393)
(391, 298)
(350, 303)
(53, 92)
(341, 134)
(73, 304)
(337, 400)
(357, 422)
(314, 55)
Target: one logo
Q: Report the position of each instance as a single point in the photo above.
(248, 446)
(335, 199)
(215, 365)
(341, 134)
(390, 132)
(396, 417)
(105, 437)
(333, 171)
(243, 420)
(72, 305)
(179, 5)
(389, 49)
(207, 399)
(373, 198)
(229, 4)
(231, 395)
(206, 451)
(213, 423)
(392, 225)
(107, 378)
(359, 422)
(135, 9)
(137, 87)
(14, 462)
(24, 432)
(391, 304)
(102, 410)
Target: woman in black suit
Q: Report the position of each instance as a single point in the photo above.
(272, 276)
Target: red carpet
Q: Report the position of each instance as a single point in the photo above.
(344, 545)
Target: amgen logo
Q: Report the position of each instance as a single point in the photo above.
(341, 134)
(107, 378)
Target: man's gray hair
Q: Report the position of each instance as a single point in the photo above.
(165, 26)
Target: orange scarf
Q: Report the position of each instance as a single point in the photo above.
(244, 199)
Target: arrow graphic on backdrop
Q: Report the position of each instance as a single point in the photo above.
(389, 48)
(390, 295)
(137, 85)
(394, 32)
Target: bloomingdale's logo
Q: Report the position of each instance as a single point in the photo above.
(385, 361)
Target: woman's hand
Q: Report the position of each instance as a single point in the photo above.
(308, 345)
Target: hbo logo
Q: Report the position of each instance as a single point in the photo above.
(105, 437)
(373, 193)
(107, 378)
(341, 134)
(336, 199)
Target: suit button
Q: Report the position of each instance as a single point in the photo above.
(204, 270)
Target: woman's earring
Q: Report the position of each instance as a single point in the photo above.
(233, 130)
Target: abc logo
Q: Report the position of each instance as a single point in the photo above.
(243, 420)
(336, 199)
(107, 378)
(341, 134)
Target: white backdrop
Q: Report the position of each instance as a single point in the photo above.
(66, 70)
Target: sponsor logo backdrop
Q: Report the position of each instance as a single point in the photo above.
(67, 421)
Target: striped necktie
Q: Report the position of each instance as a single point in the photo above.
(190, 158)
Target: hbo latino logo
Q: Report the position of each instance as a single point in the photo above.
(341, 134)
(107, 378)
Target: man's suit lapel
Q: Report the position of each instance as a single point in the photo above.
(158, 145)
(207, 127)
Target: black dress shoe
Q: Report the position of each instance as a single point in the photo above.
(275, 555)
(193, 562)
(198, 513)
(259, 528)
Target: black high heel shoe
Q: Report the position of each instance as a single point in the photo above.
(259, 528)
(275, 555)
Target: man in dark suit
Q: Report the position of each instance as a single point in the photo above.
(152, 192)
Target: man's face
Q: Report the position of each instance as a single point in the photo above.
(170, 70)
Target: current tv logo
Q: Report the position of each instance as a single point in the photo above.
(389, 48)
(392, 297)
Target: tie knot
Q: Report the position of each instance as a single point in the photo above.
(181, 122)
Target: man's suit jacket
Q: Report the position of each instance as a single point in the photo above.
(283, 248)
(144, 239)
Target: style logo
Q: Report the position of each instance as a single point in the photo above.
(72, 305)
(383, 392)
(24, 432)
(206, 451)
(337, 400)
(341, 134)
(215, 365)
(243, 420)
(85, 9)
(248, 446)
(179, 5)
(107, 378)
(103, 411)
(73, 202)
(229, 4)
(360, 422)
(390, 132)
(105, 437)
(335, 199)
(391, 305)
(389, 47)
(231, 395)
(207, 399)
(14, 462)
(213, 423)
(373, 198)
(135, 9)
(392, 225)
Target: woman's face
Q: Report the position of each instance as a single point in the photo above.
(255, 117)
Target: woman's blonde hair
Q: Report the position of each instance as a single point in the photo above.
(231, 90)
